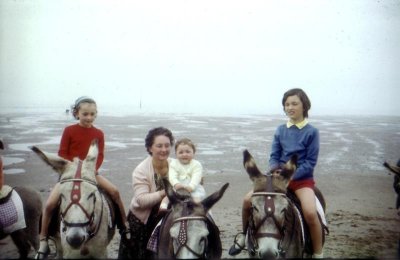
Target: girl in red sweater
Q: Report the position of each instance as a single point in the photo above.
(75, 142)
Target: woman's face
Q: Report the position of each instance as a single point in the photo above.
(161, 147)
(294, 109)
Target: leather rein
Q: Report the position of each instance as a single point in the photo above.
(75, 197)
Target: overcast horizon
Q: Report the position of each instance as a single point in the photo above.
(200, 57)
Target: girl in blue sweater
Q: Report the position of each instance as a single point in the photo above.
(297, 136)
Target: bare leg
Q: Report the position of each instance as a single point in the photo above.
(307, 199)
(246, 211)
(51, 204)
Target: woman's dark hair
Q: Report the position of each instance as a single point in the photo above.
(153, 133)
(303, 98)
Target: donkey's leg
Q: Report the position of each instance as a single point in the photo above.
(21, 242)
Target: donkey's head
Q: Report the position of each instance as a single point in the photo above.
(269, 206)
(81, 203)
(189, 229)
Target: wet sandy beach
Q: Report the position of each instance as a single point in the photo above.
(360, 198)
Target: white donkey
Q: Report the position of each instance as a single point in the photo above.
(86, 227)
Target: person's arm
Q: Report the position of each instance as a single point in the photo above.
(142, 190)
(173, 173)
(311, 157)
(197, 174)
(100, 156)
(276, 151)
(64, 145)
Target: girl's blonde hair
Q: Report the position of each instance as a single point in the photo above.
(186, 141)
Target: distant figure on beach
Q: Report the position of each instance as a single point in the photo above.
(186, 172)
(75, 142)
(297, 136)
(148, 194)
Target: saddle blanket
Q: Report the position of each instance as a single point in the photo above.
(320, 211)
(152, 244)
(12, 216)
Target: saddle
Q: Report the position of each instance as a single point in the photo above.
(5, 193)
(12, 209)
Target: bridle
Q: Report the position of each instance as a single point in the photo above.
(75, 197)
(269, 209)
(183, 236)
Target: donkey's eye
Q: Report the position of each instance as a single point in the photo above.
(255, 208)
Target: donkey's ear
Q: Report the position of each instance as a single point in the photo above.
(250, 165)
(56, 162)
(290, 167)
(214, 198)
(170, 191)
(93, 151)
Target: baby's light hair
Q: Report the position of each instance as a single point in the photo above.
(186, 141)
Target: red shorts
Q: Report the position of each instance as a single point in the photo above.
(296, 185)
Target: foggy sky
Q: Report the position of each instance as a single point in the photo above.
(202, 56)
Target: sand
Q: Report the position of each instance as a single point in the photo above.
(361, 217)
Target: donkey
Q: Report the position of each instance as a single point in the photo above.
(86, 216)
(276, 226)
(27, 237)
(187, 230)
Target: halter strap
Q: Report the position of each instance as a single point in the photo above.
(182, 235)
(269, 209)
(75, 197)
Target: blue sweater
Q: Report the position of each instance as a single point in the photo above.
(303, 142)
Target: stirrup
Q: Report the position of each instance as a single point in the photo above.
(235, 251)
(44, 249)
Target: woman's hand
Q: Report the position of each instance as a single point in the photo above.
(162, 193)
(179, 186)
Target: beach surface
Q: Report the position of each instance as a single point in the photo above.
(361, 214)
